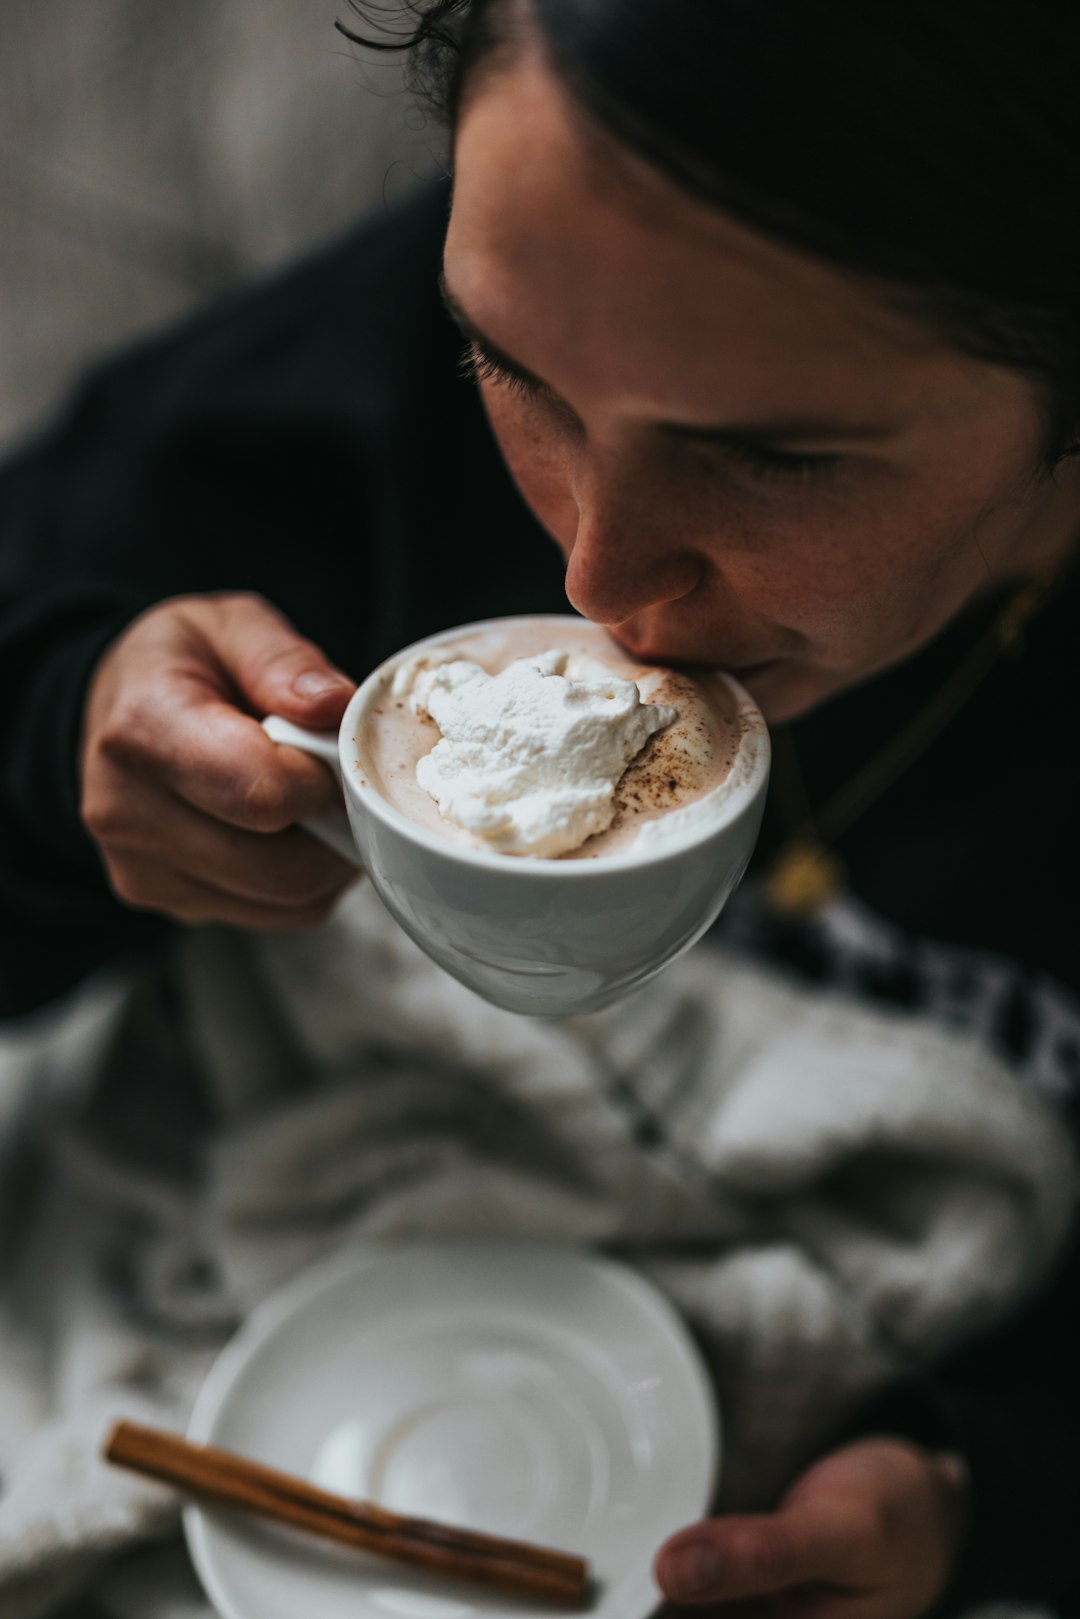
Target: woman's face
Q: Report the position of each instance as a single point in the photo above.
(746, 458)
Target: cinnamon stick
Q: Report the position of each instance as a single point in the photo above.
(239, 1481)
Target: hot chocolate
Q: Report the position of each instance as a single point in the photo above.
(542, 738)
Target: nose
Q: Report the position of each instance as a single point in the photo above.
(625, 560)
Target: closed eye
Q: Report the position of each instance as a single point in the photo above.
(481, 367)
(717, 451)
(766, 461)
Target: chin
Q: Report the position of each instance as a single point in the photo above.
(784, 692)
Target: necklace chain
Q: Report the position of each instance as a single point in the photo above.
(806, 874)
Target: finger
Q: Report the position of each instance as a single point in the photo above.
(275, 669)
(157, 888)
(730, 1559)
(279, 869)
(801, 1602)
(755, 1608)
(212, 756)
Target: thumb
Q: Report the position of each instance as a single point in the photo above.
(750, 1555)
(276, 670)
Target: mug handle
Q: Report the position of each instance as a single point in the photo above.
(329, 826)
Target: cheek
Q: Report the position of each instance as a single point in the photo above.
(820, 560)
(857, 576)
(871, 581)
(538, 462)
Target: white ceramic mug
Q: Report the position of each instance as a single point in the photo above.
(546, 937)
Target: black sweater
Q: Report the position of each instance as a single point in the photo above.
(312, 438)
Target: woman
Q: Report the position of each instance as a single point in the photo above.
(774, 317)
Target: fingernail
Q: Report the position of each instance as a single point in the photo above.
(691, 1571)
(317, 682)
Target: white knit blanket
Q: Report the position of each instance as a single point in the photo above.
(829, 1194)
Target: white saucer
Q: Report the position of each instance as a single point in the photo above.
(523, 1389)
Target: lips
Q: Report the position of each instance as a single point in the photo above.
(645, 652)
(665, 655)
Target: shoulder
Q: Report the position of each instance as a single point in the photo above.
(337, 322)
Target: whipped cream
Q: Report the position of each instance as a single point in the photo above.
(529, 758)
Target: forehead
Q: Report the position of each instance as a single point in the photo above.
(589, 267)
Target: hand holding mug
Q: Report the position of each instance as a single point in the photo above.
(197, 814)
(193, 808)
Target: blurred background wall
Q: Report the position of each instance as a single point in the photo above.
(151, 153)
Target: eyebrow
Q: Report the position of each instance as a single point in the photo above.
(773, 430)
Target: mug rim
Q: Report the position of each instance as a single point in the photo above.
(366, 797)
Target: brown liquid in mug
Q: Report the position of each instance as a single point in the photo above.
(677, 766)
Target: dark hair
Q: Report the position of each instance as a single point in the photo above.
(933, 145)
